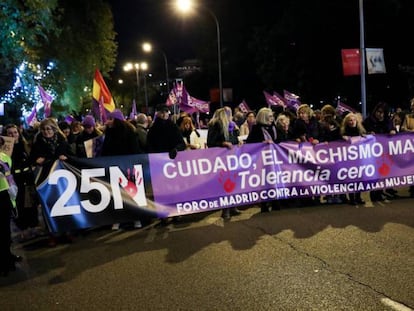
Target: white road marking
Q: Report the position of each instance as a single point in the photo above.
(395, 305)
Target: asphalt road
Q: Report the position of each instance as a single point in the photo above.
(328, 257)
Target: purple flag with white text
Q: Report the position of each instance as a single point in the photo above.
(274, 100)
(178, 95)
(244, 107)
(342, 108)
(195, 105)
(292, 100)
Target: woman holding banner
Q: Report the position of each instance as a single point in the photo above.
(379, 122)
(223, 132)
(351, 126)
(49, 145)
(264, 131)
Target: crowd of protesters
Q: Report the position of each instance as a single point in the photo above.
(37, 148)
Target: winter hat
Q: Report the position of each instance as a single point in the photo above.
(88, 121)
(117, 114)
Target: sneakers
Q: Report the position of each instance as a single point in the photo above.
(137, 224)
(115, 226)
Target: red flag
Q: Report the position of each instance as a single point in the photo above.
(351, 62)
(101, 92)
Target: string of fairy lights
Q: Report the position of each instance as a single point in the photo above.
(27, 78)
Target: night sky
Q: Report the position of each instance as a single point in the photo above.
(336, 25)
(157, 21)
(137, 21)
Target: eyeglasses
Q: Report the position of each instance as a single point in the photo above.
(47, 129)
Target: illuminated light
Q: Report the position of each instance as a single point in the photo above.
(184, 5)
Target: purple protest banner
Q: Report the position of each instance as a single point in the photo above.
(81, 193)
(219, 178)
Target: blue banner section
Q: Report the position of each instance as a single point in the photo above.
(81, 193)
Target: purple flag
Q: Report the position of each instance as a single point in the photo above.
(32, 118)
(98, 109)
(181, 93)
(178, 95)
(274, 100)
(195, 105)
(133, 110)
(171, 100)
(102, 111)
(47, 101)
(244, 107)
(291, 99)
(342, 108)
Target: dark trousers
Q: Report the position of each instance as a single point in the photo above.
(5, 235)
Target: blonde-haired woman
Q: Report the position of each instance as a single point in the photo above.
(223, 132)
(283, 128)
(190, 134)
(264, 131)
(352, 126)
(306, 128)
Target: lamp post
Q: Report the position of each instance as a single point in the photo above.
(186, 6)
(144, 66)
(137, 67)
(362, 55)
(147, 47)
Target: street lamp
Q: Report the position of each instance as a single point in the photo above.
(137, 67)
(144, 66)
(147, 47)
(186, 6)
